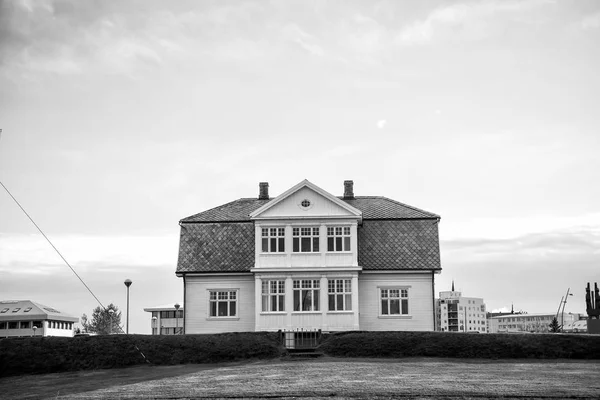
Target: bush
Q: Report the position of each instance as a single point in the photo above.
(58, 354)
(460, 345)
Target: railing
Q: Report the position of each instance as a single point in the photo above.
(300, 338)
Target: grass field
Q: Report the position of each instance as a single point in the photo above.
(421, 378)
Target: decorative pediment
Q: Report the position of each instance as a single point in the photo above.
(306, 201)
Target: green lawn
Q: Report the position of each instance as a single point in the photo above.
(327, 377)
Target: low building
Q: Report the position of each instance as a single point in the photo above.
(528, 323)
(456, 313)
(166, 319)
(27, 318)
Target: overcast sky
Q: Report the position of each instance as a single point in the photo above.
(120, 118)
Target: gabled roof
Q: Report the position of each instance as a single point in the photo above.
(372, 207)
(305, 183)
(28, 310)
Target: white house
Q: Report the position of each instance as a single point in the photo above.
(307, 259)
(27, 318)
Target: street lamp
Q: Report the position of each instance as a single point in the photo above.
(127, 283)
(34, 328)
(562, 315)
(176, 318)
(110, 313)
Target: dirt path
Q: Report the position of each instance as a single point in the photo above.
(330, 378)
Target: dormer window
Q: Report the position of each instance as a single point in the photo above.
(338, 238)
(306, 240)
(273, 240)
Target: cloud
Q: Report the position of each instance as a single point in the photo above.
(381, 123)
(590, 22)
(85, 251)
(466, 21)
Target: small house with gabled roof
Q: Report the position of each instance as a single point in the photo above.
(307, 259)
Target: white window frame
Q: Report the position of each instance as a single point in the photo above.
(339, 294)
(273, 296)
(403, 296)
(305, 232)
(339, 238)
(301, 289)
(227, 300)
(272, 240)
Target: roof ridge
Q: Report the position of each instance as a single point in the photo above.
(411, 207)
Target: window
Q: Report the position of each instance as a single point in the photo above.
(306, 295)
(2, 325)
(12, 325)
(394, 301)
(24, 325)
(338, 238)
(4, 310)
(37, 324)
(305, 203)
(306, 240)
(273, 240)
(340, 294)
(27, 309)
(273, 296)
(223, 304)
(16, 309)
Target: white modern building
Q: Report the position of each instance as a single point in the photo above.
(456, 313)
(166, 319)
(529, 323)
(28, 318)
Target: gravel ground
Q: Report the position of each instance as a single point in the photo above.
(351, 378)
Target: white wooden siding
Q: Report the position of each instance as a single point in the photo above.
(197, 302)
(420, 298)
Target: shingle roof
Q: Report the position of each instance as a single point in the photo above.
(393, 245)
(393, 236)
(372, 207)
(212, 247)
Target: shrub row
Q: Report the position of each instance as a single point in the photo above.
(53, 354)
(56, 354)
(461, 345)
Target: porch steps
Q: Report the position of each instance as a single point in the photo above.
(304, 353)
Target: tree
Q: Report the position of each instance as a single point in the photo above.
(554, 326)
(103, 321)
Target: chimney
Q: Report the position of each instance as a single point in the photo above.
(263, 191)
(348, 189)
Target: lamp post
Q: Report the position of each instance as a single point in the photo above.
(562, 315)
(127, 283)
(177, 318)
(110, 313)
(34, 328)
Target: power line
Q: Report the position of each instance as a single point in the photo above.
(51, 244)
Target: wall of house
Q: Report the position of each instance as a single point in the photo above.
(420, 296)
(196, 310)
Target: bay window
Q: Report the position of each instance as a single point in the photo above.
(305, 240)
(273, 296)
(338, 238)
(273, 240)
(340, 294)
(306, 295)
